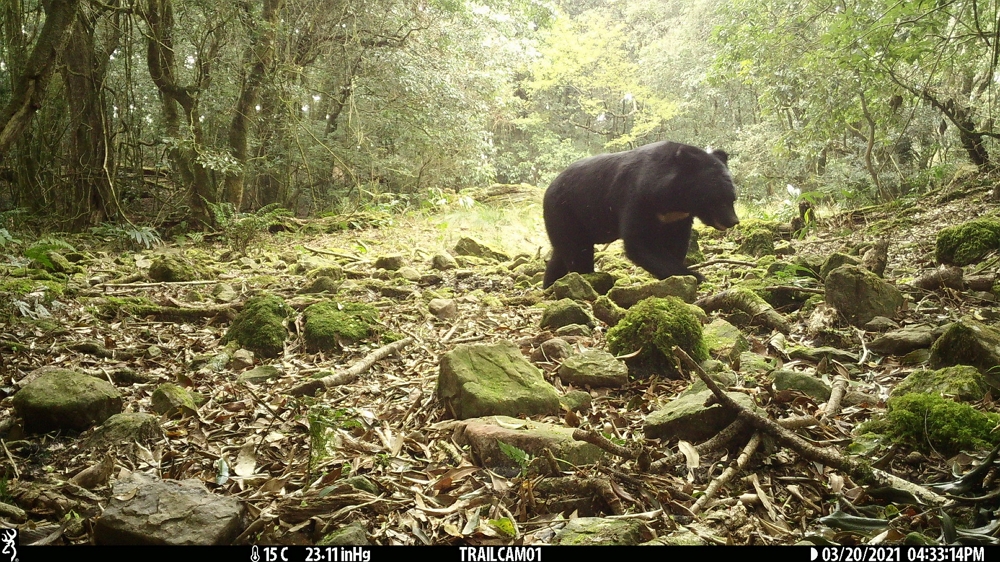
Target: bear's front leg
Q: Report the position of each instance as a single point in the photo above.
(660, 248)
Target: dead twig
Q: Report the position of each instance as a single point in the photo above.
(728, 474)
(311, 387)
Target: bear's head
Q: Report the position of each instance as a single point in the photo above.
(710, 187)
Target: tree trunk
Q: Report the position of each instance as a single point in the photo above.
(29, 87)
(159, 16)
(260, 55)
(91, 166)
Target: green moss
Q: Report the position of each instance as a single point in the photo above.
(653, 327)
(967, 243)
(758, 242)
(930, 422)
(260, 326)
(328, 325)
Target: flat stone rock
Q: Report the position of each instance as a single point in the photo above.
(483, 380)
(483, 435)
(688, 418)
(594, 531)
(167, 512)
(594, 368)
(903, 340)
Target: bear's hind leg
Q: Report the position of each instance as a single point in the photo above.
(580, 260)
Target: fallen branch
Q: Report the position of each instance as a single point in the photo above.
(728, 474)
(311, 387)
(862, 473)
(836, 395)
(329, 253)
(157, 284)
(721, 260)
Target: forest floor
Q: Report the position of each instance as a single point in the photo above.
(287, 458)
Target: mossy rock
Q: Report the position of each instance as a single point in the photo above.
(860, 295)
(969, 342)
(60, 399)
(564, 312)
(173, 401)
(172, 268)
(653, 327)
(962, 382)
(601, 281)
(967, 243)
(260, 326)
(836, 260)
(929, 422)
(330, 325)
(573, 286)
(758, 242)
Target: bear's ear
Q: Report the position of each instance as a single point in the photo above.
(721, 155)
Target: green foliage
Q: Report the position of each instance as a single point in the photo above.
(243, 230)
(130, 237)
(39, 251)
(7, 239)
(324, 421)
(519, 456)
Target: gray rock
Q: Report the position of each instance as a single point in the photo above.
(443, 309)
(564, 312)
(224, 292)
(409, 273)
(443, 262)
(816, 354)
(260, 374)
(594, 368)
(322, 284)
(807, 384)
(391, 262)
(552, 350)
(607, 311)
(484, 380)
(576, 400)
(242, 358)
(601, 281)
(60, 399)
(594, 531)
(836, 260)
(969, 342)
(903, 340)
(125, 428)
(573, 286)
(684, 287)
(724, 340)
(173, 401)
(350, 535)
(881, 324)
(483, 436)
(167, 512)
(469, 247)
(860, 295)
(688, 418)
(579, 330)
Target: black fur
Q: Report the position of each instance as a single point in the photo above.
(648, 197)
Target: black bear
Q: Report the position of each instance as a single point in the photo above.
(648, 197)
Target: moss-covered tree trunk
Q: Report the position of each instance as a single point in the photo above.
(30, 86)
(259, 57)
(159, 17)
